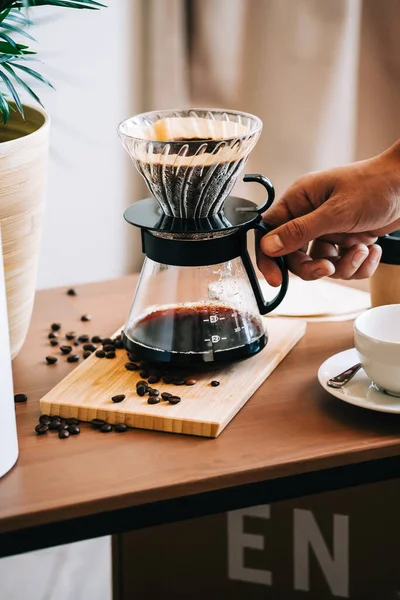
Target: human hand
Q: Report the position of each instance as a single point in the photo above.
(341, 212)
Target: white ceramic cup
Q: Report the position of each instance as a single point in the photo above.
(377, 340)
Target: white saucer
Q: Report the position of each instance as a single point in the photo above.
(359, 391)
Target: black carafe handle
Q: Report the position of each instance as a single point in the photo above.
(264, 306)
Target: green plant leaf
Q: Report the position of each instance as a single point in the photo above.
(4, 109)
(12, 91)
(4, 14)
(22, 83)
(6, 48)
(33, 73)
(10, 41)
(16, 29)
(88, 4)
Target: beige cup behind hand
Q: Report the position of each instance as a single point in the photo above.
(377, 340)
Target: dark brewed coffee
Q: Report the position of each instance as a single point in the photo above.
(196, 334)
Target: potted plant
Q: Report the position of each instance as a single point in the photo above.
(24, 138)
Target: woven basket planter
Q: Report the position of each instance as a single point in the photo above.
(23, 176)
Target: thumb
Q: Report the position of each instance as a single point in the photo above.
(297, 233)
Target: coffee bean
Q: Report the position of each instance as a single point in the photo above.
(215, 383)
(72, 421)
(73, 429)
(54, 425)
(83, 339)
(63, 434)
(55, 326)
(110, 355)
(20, 398)
(118, 398)
(55, 418)
(86, 318)
(100, 354)
(153, 400)
(73, 358)
(53, 342)
(131, 356)
(97, 423)
(119, 345)
(108, 341)
(44, 419)
(52, 335)
(71, 335)
(41, 428)
(142, 382)
(141, 390)
(86, 354)
(153, 392)
(62, 425)
(144, 374)
(97, 339)
(166, 395)
(178, 381)
(120, 427)
(131, 366)
(106, 428)
(89, 347)
(108, 347)
(65, 349)
(190, 382)
(51, 360)
(174, 400)
(154, 379)
(76, 343)
(167, 380)
(71, 292)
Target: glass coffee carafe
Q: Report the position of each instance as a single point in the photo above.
(198, 299)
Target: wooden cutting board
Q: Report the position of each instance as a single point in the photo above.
(86, 392)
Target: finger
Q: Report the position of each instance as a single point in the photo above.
(302, 265)
(351, 261)
(294, 234)
(322, 249)
(269, 269)
(347, 240)
(370, 264)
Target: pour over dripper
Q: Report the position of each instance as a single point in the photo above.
(190, 159)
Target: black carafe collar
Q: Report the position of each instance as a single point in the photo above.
(390, 245)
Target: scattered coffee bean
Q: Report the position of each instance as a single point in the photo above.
(141, 382)
(52, 335)
(118, 398)
(51, 360)
(97, 423)
(20, 398)
(119, 344)
(178, 381)
(108, 341)
(65, 349)
(131, 366)
(63, 434)
(153, 392)
(73, 429)
(120, 427)
(72, 421)
(72, 292)
(55, 326)
(108, 347)
(174, 400)
(167, 379)
(215, 383)
(62, 425)
(166, 395)
(53, 342)
(97, 339)
(86, 318)
(190, 382)
(71, 335)
(141, 390)
(89, 347)
(44, 419)
(153, 400)
(86, 354)
(132, 357)
(106, 428)
(54, 425)
(83, 339)
(100, 354)
(76, 343)
(110, 354)
(55, 418)
(153, 379)
(73, 358)
(41, 428)
(144, 374)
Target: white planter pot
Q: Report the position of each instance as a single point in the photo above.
(23, 176)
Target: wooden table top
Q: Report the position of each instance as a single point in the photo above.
(290, 426)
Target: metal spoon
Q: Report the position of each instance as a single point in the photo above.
(340, 380)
